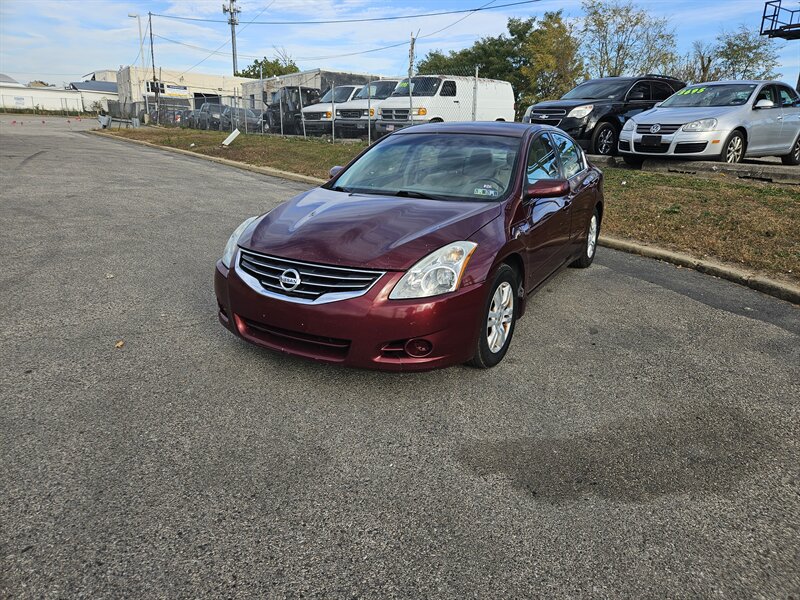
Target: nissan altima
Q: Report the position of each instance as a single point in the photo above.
(420, 253)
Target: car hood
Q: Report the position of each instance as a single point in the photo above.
(318, 107)
(681, 114)
(359, 230)
(361, 104)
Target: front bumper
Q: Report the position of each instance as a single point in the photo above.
(579, 130)
(383, 127)
(367, 332)
(355, 126)
(317, 127)
(682, 144)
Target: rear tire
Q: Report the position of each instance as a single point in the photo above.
(605, 139)
(633, 161)
(734, 149)
(793, 158)
(590, 247)
(498, 320)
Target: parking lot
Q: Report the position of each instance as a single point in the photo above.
(640, 440)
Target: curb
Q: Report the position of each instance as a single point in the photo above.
(751, 279)
(223, 161)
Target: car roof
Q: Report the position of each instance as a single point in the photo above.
(743, 81)
(476, 127)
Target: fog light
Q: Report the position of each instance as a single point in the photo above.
(418, 348)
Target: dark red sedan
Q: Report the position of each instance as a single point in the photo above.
(420, 253)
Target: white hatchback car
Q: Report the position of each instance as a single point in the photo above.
(722, 120)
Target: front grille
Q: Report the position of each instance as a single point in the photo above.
(394, 114)
(298, 341)
(553, 122)
(316, 280)
(690, 147)
(351, 114)
(666, 129)
(661, 149)
(312, 116)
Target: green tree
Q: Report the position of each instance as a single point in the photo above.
(744, 54)
(282, 64)
(552, 62)
(621, 39)
(698, 65)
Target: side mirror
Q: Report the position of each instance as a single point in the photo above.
(764, 103)
(334, 171)
(636, 96)
(547, 188)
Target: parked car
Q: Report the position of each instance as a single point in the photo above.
(318, 117)
(191, 118)
(722, 120)
(440, 98)
(244, 119)
(355, 117)
(594, 112)
(420, 253)
(283, 110)
(209, 115)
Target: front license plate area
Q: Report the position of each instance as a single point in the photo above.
(651, 140)
(390, 128)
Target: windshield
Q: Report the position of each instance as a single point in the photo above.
(598, 90)
(342, 94)
(380, 90)
(420, 86)
(452, 166)
(733, 94)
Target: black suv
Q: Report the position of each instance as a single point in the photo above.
(594, 112)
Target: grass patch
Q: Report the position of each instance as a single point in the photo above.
(752, 224)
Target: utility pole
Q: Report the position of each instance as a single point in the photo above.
(410, 74)
(153, 57)
(233, 19)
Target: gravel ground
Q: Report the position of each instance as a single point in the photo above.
(639, 441)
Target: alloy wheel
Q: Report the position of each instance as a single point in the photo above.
(734, 150)
(501, 316)
(605, 141)
(796, 150)
(591, 243)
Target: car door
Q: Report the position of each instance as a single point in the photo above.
(451, 105)
(638, 99)
(790, 116)
(764, 132)
(583, 184)
(544, 222)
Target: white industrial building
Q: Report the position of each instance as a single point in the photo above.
(77, 97)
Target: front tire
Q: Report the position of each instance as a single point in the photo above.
(498, 320)
(734, 149)
(605, 139)
(590, 247)
(793, 158)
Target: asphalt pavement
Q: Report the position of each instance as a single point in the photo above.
(640, 440)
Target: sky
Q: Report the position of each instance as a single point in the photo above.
(61, 40)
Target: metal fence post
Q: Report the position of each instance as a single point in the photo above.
(302, 116)
(475, 96)
(333, 112)
(369, 111)
(280, 109)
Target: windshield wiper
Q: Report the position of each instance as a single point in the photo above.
(338, 188)
(416, 194)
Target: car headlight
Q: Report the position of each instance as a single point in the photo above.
(230, 247)
(629, 125)
(368, 113)
(438, 273)
(581, 111)
(338, 114)
(327, 114)
(701, 125)
(420, 111)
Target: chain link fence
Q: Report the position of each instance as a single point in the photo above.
(346, 108)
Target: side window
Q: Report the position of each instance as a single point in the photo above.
(787, 96)
(571, 157)
(661, 91)
(767, 93)
(542, 162)
(640, 92)
(448, 88)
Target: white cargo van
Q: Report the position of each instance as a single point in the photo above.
(354, 117)
(436, 98)
(318, 117)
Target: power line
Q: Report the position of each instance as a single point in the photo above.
(366, 20)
